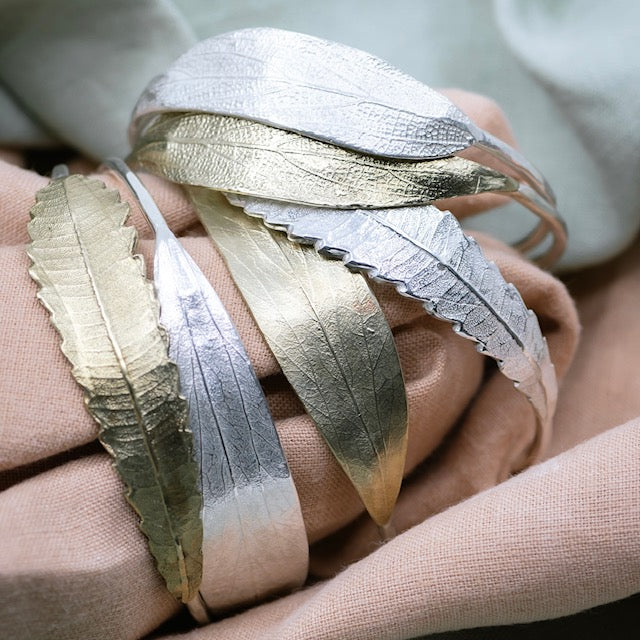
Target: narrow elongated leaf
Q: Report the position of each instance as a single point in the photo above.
(107, 316)
(332, 341)
(424, 252)
(324, 90)
(254, 537)
(254, 159)
(231, 154)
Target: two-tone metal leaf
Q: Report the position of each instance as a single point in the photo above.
(425, 254)
(107, 315)
(324, 90)
(254, 537)
(331, 340)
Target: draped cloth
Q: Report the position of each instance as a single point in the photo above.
(482, 540)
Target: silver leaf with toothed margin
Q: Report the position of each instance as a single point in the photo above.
(425, 254)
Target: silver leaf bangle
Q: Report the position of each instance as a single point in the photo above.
(255, 543)
(425, 254)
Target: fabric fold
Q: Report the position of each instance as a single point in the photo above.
(465, 435)
(501, 557)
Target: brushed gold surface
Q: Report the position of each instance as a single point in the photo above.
(241, 156)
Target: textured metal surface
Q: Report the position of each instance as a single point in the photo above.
(425, 254)
(107, 315)
(255, 542)
(253, 159)
(332, 341)
(232, 154)
(324, 90)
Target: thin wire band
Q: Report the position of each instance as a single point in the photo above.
(550, 222)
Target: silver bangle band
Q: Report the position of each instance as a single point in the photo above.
(255, 543)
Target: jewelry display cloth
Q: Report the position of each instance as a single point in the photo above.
(475, 545)
(566, 73)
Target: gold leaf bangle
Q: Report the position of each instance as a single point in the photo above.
(250, 158)
(107, 316)
(332, 342)
(241, 156)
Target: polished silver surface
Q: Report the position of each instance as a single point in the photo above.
(59, 171)
(324, 90)
(254, 536)
(425, 254)
(551, 224)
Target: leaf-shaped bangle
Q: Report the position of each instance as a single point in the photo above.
(331, 92)
(255, 542)
(250, 158)
(332, 341)
(324, 90)
(425, 254)
(83, 263)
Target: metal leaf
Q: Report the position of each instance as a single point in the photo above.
(107, 316)
(425, 254)
(332, 341)
(254, 537)
(247, 157)
(324, 90)
(231, 154)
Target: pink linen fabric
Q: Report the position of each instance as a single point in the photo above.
(476, 546)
